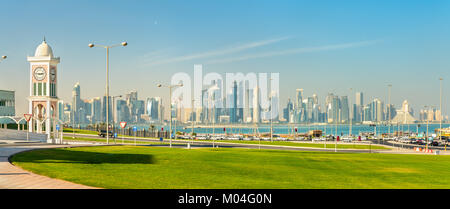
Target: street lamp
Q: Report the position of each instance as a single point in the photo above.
(91, 45)
(114, 113)
(350, 126)
(211, 94)
(389, 110)
(3, 57)
(170, 104)
(428, 112)
(440, 117)
(192, 120)
(271, 117)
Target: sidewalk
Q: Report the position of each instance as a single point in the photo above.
(12, 177)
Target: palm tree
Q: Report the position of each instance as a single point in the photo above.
(152, 128)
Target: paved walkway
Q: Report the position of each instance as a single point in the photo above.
(12, 177)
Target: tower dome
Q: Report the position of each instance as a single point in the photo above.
(43, 50)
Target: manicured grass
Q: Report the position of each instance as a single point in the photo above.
(79, 131)
(305, 144)
(117, 140)
(159, 167)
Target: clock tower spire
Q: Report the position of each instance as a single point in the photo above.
(43, 99)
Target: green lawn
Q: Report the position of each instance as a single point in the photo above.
(160, 167)
(117, 140)
(79, 131)
(305, 144)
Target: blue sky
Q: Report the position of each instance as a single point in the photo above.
(320, 46)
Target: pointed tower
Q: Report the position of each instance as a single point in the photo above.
(43, 99)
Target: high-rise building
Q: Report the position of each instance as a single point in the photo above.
(288, 111)
(123, 112)
(68, 113)
(234, 97)
(96, 110)
(76, 103)
(61, 111)
(358, 108)
(377, 110)
(153, 108)
(366, 113)
(390, 108)
(345, 116)
(334, 109)
(359, 99)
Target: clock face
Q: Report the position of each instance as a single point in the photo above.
(39, 73)
(53, 74)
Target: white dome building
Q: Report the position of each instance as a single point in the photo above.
(44, 50)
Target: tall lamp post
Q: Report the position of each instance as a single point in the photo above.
(351, 117)
(170, 104)
(271, 117)
(114, 113)
(193, 120)
(389, 110)
(440, 117)
(426, 109)
(211, 93)
(107, 81)
(271, 112)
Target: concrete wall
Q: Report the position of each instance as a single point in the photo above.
(9, 134)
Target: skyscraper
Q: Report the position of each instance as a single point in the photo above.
(359, 99)
(256, 107)
(76, 102)
(358, 108)
(345, 117)
(96, 112)
(233, 112)
(153, 108)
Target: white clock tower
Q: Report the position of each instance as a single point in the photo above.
(43, 100)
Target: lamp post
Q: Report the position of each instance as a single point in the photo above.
(440, 117)
(271, 117)
(170, 104)
(212, 98)
(425, 107)
(389, 109)
(114, 113)
(3, 57)
(73, 122)
(107, 81)
(192, 120)
(350, 126)
(271, 112)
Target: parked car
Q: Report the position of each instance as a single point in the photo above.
(412, 141)
(102, 133)
(420, 141)
(433, 143)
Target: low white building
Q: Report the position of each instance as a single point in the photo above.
(7, 103)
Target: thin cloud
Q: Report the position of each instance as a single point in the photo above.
(229, 50)
(295, 51)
